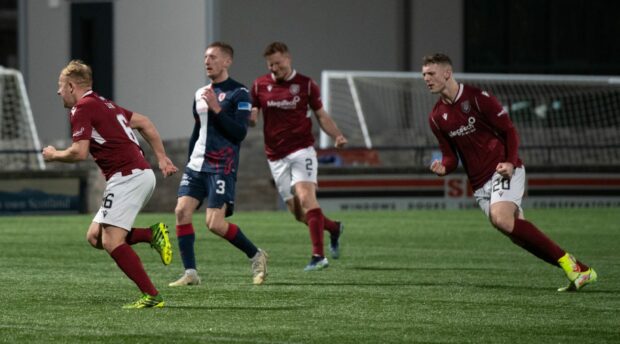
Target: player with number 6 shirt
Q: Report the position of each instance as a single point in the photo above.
(104, 129)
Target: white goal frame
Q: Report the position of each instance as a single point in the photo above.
(349, 75)
(27, 111)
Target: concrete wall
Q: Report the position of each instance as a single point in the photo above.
(159, 49)
(158, 62)
(159, 46)
(321, 34)
(47, 51)
(438, 26)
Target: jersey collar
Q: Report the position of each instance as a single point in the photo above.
(458, 96)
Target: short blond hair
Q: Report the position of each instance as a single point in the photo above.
(79, 72)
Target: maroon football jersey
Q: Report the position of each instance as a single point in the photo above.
(113, 144)
(476, 129)
(288, 126)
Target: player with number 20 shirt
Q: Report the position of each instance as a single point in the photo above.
(471, 125)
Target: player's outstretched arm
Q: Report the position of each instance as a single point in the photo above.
(329, 126)
(78, 151)
(148, 130)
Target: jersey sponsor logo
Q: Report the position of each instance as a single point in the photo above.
(465, 106)
(244, 106)
(284, 103)
(78, 132)
(294, 89)
(221, 96)
(464, 129)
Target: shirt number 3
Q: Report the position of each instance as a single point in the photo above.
(221, 187)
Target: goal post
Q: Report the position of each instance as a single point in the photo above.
(19, 142)
(561, 120)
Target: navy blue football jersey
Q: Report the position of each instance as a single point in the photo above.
(216, 140)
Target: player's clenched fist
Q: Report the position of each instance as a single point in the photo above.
(438, 168)
(340, 141)
(48, 153)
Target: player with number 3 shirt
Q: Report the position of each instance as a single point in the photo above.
(220, 110)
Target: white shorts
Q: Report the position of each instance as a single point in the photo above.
(499, 189)
(124, 197)
(299, 166)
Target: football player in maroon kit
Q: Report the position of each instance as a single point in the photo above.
(105, 130)
(472, 125)
(283, 96)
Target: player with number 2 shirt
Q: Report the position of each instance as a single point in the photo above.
(284, 96)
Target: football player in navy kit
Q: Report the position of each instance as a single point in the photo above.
(221, 111)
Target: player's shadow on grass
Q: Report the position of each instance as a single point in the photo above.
(588, 290)
(353, 284)
(403, 268)
(239, 308)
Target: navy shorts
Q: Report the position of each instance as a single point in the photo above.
(218, 189)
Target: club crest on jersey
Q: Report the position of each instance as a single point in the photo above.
(445, 116)
(269, 88)
(221, 96)
(465, 106)
(294, 89)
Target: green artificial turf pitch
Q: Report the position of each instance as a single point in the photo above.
(404, 277)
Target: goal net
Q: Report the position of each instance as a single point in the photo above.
(561, 120)
(19, 143)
